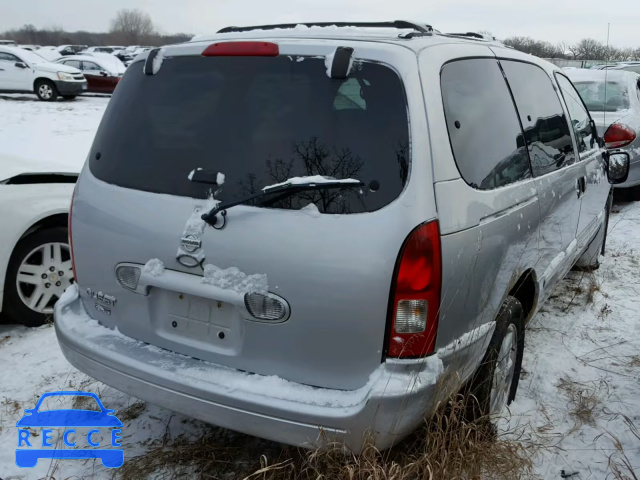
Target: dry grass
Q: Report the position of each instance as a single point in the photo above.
(11, 407)
(4, 339)
(592, 288)
(634, 362)
(132, 412)
(446, 447)
(619, 463)
(83, 403)
(584, 400)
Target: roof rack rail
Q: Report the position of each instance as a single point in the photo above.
(399, 24)
(467, 34)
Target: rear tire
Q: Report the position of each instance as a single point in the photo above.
(495, 383)
(46, 90)
(33, 265)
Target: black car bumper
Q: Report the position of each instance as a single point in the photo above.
(71, 88)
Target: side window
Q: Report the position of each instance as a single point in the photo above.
(74, 64)
(7, 57)
(579, 116)
(485, 135)
(546, 130)
(90, 67)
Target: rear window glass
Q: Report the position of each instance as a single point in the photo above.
(597, 98)
(259, 121)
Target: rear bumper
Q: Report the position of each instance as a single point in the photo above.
(71, 88)
(391, 404)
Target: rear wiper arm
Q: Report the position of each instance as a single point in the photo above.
(290, 188)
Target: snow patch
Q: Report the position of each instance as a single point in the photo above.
(311, 180)
(195, 226)
(220, 179)
(328, 62)
(233, 279)
(154, 267)
(157, 61)
(192, 173)
(311, 210)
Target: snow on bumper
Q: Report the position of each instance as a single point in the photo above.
(389, 406)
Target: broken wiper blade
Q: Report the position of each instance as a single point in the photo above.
(291, 187)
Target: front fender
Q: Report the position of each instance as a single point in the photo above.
(21, 208)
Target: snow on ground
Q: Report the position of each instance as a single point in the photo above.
(580, 388)
(581, 379)
(60, 132)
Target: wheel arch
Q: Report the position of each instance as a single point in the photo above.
(525, 290)
(37, 79)
(45, 220)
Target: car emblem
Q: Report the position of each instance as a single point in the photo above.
(190, 243)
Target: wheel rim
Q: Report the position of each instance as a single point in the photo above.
(505, 368)
(45, 91)
(44, 275)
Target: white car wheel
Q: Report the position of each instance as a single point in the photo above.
(43, 276)
(39, 271)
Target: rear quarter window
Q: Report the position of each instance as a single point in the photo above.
(259, 121)
(485, 135)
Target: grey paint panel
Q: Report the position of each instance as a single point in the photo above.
(482, 262)
(334, 271)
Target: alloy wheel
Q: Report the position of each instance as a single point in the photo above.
(504, 371)
(44, 275)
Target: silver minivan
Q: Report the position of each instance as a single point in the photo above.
(303, 232)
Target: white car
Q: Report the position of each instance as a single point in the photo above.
(25, 71)
(35, 262)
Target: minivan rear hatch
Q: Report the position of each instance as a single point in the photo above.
(207, 129)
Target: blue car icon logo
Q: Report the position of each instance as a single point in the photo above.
(100, 421)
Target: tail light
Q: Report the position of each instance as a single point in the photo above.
(415, 294)
(618, 135)
(242, 49)
(73, 262)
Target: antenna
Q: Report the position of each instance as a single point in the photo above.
(606, 74)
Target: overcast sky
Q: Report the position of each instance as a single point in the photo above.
(552, 20)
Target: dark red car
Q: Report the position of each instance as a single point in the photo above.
(102, 71)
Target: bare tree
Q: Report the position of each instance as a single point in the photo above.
(132, 25)
(535, 47)
(589, 49)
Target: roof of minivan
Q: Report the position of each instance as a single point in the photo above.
(416, 41)
(392, 35)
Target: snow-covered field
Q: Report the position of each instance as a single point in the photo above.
(579, 395)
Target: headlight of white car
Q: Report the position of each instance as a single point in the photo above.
(67, 77)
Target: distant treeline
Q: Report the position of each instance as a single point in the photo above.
(29, 35)
(586, 49)
(128, 27)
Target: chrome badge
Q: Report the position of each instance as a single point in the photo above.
(109, 300)
(190, 243)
